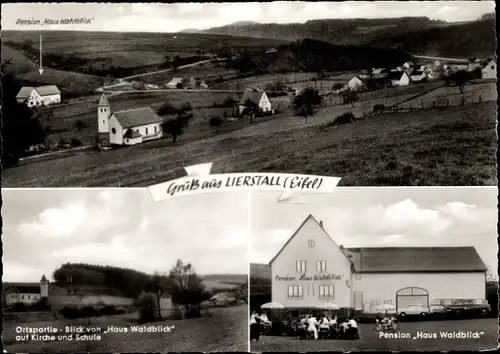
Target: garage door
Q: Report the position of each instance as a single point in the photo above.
(412, 296)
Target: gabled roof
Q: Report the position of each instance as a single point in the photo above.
(379, 70)
(137, 117)
(310, 217)
(103, 101)
(252, 95)
(175, 81)
(396, 75)
(22, 288)
(25, 92)
(415, 259)
(131, 133)
(47, 90)
(487, 62)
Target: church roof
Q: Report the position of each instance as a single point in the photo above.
(43, 278)
(103, 101)
(137, 117)
(22, 288)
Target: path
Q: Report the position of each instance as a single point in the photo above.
(440, 58)
(54, 153)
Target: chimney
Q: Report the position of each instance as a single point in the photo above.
(321, 223)
(341, 247)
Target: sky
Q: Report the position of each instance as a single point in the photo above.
(364, 217)
(44, 228)
(144, 17)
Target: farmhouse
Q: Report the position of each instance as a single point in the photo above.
(257, 97)
(27, 293)
(398, 78)
(129, 127)
(176, 82)
(311, 269)
(356, 83)
(489, 69)
(38, 96)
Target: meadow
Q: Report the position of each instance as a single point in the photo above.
(370, 340)
(225, 329)
(454, 146)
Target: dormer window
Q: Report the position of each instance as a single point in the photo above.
(311, 243)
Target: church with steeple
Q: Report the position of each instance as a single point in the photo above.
(129, 127)
(27, 293)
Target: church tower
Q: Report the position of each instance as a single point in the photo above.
(103, 114)
(44, 287)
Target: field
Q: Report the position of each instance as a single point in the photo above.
(225, 330)
(208, 71)
(454, 146)
(370, 339)
(66, 81)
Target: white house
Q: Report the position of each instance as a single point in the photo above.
(27, 293)
(489, 69)
(257, 97)
(38, 96)
(355, 83)
(311, 269)
(398, 78)
(128, 127)
(174, 82)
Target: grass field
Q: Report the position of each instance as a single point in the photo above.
(18, 61)
(225, 330)
(66, 81)
(370, 340)
(454, 146)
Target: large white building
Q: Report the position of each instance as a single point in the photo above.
(129, 127)
(312, 269)
(27, 293)
(39, 96)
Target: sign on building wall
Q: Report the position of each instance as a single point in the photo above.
(315, 277)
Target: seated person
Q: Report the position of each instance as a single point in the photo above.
(333, 321)
(324, 322)
(264, 319)
(352, 330)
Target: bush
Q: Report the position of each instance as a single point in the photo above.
(41, 305)
(378, 108)
(75, 142)
(229, 102)
(177, 314)
(186, 107)
(120, 311)
(107, 310)
(89, 311)
(345, 118)
(215, 121)
(148, 308)
(193, 312)
(166, 109)
(71, 312)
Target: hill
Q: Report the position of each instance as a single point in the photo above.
(19, 62)
(417, 35)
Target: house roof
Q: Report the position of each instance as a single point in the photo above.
(175, 81)
(136, 117)
(406, 259)
(252, 95)
(396, 75)
(415, 259)
(22, 288)
(47, 90)
(103, 101)
(25, 92)
(379, 70)
(487, 62)
(131, 133)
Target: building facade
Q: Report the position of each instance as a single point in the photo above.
(25, 293)
(312, 269)
(259, 98)
(39, 96)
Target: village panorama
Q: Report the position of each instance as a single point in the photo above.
(386, 101)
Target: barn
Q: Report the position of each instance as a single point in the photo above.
(311, 269)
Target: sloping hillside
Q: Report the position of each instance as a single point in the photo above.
(18, 61)
(416, 35)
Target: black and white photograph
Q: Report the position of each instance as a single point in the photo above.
(381, 93)
(384, 269)
(112, 271)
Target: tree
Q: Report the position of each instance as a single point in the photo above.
(20, 128)
(241, 293)
(251, 109)
(460, 79)
(187, 288)
(159, 286)
(338, 86)
(305, 103)
(350, 97)
(80, 124)
(174, 127)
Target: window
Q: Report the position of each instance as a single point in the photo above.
(320, 266)
(301, 266)
(22, 297)
(146, 131)
(375, 302)
(103, 122)
(358, 277)
(326, 291)
(387, 302)
(113, 131)
(311, 243)
(492, 67)
(295, 291)
(155, 128)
